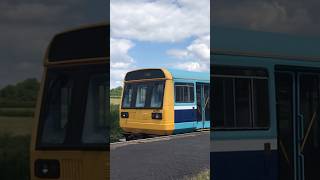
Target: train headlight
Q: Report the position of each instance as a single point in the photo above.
(124, 114)
(47, 168)
(156, 115)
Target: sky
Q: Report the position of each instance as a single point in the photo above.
(145, 33)
(294, 17)
(28, 26)
(158, 33)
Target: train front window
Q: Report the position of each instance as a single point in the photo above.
(143, 95)
(75, 106)
(157, 95)
(127, 96)
(57, 116)
(95, 125)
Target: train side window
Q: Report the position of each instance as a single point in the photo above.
(184, 92)
(240, 101)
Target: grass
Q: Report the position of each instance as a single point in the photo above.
(14, 157)
(204, 175)
(14, 147)
(115, 100)
(15, 125)
(115, 130)
(17, 112)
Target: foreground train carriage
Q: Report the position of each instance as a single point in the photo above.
(265, 100)
(70, 136)
(163, 102)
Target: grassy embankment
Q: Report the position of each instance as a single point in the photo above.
(15, 130)
(115, 130)
(204, 175)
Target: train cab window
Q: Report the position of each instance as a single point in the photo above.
(157, 95)
(58, 108)
(240, 98)
(95, 126)
(128, 94)
(184, 92)
(141, 95)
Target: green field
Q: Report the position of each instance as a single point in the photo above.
(16, 125)
(115, 100)
(17, 112)
(15, 144)
(204, 175)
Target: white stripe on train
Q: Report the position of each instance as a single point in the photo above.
(184, 107)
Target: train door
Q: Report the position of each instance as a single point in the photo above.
(203, 108)
(309, 126)
(285, 120)
(298, 100)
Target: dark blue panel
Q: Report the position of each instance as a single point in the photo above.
(188, 115)
(248, 165)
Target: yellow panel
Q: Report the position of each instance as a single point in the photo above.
(76, 165)
(140, 120)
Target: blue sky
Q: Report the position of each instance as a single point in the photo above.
(154, 54)
(159, 33)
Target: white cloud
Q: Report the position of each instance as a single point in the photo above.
(197, 55)
(191, 66)
(121, 61)
(168, 21)
(160, 20)
(264, 16)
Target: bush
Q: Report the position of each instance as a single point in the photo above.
(115, 130)
(14, 157)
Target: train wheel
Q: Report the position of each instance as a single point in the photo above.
(129, 137)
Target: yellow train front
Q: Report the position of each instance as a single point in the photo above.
(164, 102)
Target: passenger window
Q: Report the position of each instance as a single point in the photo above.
(141, 95)
(184, 92)
(240, 101)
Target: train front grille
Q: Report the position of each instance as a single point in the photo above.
(71, 169)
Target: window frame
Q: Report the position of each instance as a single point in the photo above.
(251, 77)
(73, 139)
(193, 94)
(148, 98)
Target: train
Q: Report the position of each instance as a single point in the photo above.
(265, 106)
(160, 101)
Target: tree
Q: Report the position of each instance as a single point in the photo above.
(24, 91)
(116, 91)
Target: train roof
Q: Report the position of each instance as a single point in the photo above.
(156, 73)
(181, 74)
(228, 41)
